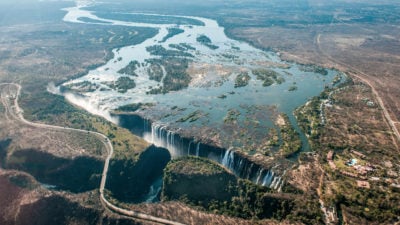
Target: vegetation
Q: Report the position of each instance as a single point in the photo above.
(206, 41)
(308, 117)
(347, 125)
(123, 84)
(84, 86)
(192, 117)
(268, 77)
(182, 47)
(291, 142)
(155, 70)
(194, 165)
(292, 88)
(56, 110)
(371, 204)
(242, 79)
(133, 107)
(79, 174)
(129, 179)
(54, 44)
(156, 91)
(314, 69)
(90, 20)
(140, 18)
(161, 51)
(202, 183)
(176, 77)
(172, 32)
(336, 79)
(130, 68)
(232, 116)
(222, 96)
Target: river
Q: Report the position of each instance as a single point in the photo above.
(210, 97)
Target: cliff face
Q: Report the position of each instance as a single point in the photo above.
(23, 201)
(130, 180)
(205, 184)
(77, 175)
(198, 180)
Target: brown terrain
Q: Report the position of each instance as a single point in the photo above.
(362, 119)
(42, 53)
(367, 52)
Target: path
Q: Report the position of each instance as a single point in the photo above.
(17, 113)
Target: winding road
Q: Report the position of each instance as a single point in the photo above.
(12, 109)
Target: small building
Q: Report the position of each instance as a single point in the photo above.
(349, 174)
(359, 154)
(360, 170)
(395, 186)
(332, 165)
(363, 184)
(374, 179)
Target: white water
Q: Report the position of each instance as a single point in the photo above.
(206, 85)
(262, 177)
(106, 100)
(199, 95)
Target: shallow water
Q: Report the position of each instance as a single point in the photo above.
(211, 92)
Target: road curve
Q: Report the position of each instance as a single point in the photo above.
(110, 150)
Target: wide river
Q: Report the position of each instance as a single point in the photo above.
(211, 109)
(211, 96)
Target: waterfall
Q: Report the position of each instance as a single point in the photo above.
(228, 160)
(154, 191)
(190, 143)
(249, 170)
(170, 139)
(259, 176)
(198, 149)
(240, 167)
(268, 178)
(160, 135)
(246, 169)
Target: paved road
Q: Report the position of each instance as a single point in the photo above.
(17, 113)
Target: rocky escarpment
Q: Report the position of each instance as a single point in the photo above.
(199, 180)
(24, 201)
(130, 180)
(202, 183)
(76, 175)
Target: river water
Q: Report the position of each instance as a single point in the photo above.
(211, 93)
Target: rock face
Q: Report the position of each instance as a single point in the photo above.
(197, 179)
(23, 201)
(205, 184)
(77, 175)
(129, 180)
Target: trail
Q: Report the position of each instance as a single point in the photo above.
(16, 112)
(388, 118)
